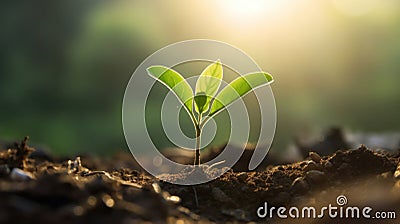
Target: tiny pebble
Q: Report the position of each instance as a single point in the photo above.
(314, 156)
(174, 199)
(20, 175)
(156, 188)
(397, 172)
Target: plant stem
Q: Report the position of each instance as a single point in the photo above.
(198, 142)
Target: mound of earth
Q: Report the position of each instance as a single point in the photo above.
(41, 189)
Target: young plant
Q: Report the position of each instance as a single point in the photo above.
(205, 102)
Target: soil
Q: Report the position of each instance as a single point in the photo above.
(37, 187)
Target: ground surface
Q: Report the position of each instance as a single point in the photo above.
(39, 188)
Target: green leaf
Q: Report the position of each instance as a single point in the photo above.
(174, 81)
(200, 101)
(208, 84)
(238, 88)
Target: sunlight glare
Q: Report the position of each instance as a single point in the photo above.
(245, 7)
(250, 8)
(356, 7)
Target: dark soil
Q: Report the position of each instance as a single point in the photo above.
(39, 188)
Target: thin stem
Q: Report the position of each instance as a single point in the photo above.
(193, 119)
(198, 142)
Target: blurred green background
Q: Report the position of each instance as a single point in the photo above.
(64, 65)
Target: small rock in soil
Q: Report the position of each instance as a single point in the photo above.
(20, 175)
(174, 199)
(397, 172)
(156, 188)
(315, 156)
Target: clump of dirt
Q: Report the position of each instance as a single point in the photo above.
(69, 192)
(18, 157)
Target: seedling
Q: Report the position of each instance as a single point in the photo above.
(205, 102)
